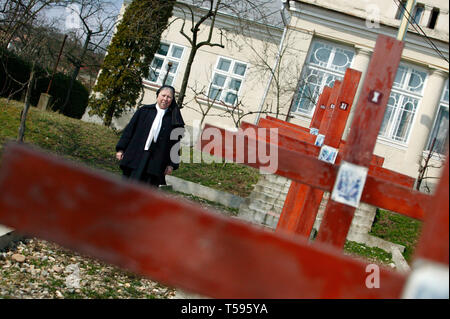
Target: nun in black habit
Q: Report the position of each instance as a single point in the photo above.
(149, 147)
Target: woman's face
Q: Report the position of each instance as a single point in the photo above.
(164, 98)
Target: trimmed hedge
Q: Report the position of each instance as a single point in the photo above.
(78, 97)
(19, 69)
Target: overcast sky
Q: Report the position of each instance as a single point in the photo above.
(63, 19)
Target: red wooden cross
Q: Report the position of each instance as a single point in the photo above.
(299, 134)
(363, 134)
(311, 171)
(320, 108)
(302, 202)
(180, 244)
(378, 99)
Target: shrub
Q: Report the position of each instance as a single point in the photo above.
(19, 69)
(78, 98)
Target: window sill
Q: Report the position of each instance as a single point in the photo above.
(301, 116)
(151, 85)
(391, 143)
(218, 105)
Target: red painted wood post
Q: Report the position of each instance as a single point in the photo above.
(288, 130)
(281, 123)
(307, 216)
(293, 203)
(326, 119)
(364, 131)
(301, 211)
(303, 202)
(286, 124)
(172, 241)
(381, 188)
(181, 244)
(341, 112)
(320, 108)
(299, 194)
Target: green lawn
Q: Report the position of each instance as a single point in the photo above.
(229, 177)
(397, 229)
(73, 139)
(93, 145)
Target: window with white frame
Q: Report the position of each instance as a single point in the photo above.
(165, 64)
(406, 94)
(440, 132)
(326, 62)
(227, 80)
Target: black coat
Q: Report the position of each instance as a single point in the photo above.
(135, 135)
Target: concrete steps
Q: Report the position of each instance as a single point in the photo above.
(265, 203)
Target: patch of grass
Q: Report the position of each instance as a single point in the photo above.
(105, 293)
(72, 295)
(374, 254)
(94, 145)
(54, 285)
(38, 263)
(88, 143)
(132, 291)
(213, 172)
(397, 229)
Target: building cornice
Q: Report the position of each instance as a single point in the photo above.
(355, 25)
(350, 8)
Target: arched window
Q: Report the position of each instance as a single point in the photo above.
(326, 62)
(439, 133)
(406, 94)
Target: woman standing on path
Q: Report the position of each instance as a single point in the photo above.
(149, 146)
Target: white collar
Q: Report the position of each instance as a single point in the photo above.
(159, 109)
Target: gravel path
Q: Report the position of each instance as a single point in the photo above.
(38, 269)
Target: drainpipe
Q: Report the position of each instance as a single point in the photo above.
(285, 5)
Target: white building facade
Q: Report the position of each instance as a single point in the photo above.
(281, 69)
(341, 34)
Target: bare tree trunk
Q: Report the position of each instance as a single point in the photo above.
(23, 116)
(76, 71)
(424, 168)
(186, 76)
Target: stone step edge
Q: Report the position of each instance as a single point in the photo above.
(208, 193)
